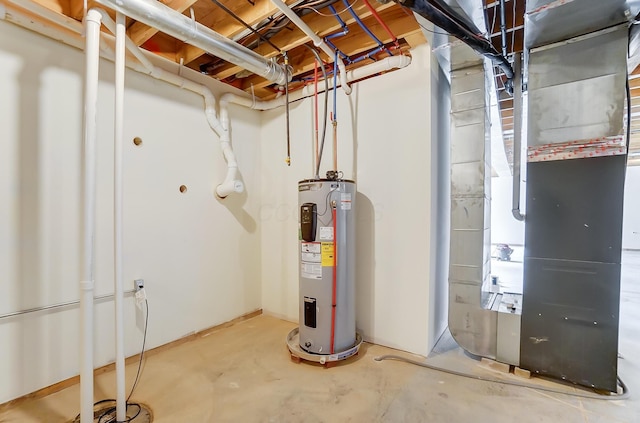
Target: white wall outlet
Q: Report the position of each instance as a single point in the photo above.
(138, 284)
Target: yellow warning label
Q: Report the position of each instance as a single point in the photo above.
(327, 254)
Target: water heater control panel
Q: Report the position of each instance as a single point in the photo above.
(308, 221)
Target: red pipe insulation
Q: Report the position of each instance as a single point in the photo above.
(381, 22)
(315, 99)
(335, 281)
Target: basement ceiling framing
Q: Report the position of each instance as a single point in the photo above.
(266, 18)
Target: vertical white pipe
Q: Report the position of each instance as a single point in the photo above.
(92, 62)
(121, 406)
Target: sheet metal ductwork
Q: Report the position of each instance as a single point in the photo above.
(576, 167)
(566, 324)
(471, 323)
(183, 28)
(448, 17)
(549, 21)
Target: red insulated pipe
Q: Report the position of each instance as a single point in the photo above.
(315, 99)
(381, 22)
(335, 282)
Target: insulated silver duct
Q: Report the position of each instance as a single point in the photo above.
(548, 21)
(483, 322)
(172, 22)
(471, 322)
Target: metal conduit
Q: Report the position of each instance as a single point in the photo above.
(517, 137)
(58, 305)
(171, 22)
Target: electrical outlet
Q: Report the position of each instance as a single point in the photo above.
(138, 284)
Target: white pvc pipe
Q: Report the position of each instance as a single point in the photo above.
(389, 63)
(395, 62)
(248, 103)
(231, 182)
(92, 62)
(317, 41)
(171, 22)
(121, 406)
(386, 64)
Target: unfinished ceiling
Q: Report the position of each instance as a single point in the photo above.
(362, 30)
(515, 11)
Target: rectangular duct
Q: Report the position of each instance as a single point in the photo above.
(576, 97)
(471, 322)
(549, 21)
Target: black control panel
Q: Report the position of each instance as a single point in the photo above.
(308, 213)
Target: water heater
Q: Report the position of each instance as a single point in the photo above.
(327, 267)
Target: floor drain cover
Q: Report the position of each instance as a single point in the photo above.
(106, 413)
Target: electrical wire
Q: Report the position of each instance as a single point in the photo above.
(144, 342)
(326, 105)
(444, 16)
(404, 9)
(326, 206)
(286, 99)
(329, 14)
(625, 390)
(513, 29)
(246, 25)
(110, 412)
(315, 108)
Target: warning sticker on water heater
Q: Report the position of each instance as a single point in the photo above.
(310, 260)
(311, 270)
(345, 201)
(326, 233)
(327, 254)
(310, 247)
(310, 252)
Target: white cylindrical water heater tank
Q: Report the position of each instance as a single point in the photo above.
(327, 265)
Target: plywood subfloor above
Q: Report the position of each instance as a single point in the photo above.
(393, 27)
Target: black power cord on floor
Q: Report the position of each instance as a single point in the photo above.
(624, 395)
(109, 414)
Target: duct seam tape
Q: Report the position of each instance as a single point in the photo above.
(606, 146)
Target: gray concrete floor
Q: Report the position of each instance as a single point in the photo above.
(244, 374)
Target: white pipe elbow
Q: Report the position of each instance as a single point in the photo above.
(231, 184)
(94, 16)
(344, 81)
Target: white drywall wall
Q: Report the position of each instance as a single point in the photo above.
(200, 257)
(505, 229)
(385, 144)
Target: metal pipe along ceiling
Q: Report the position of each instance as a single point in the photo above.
(183, 28)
